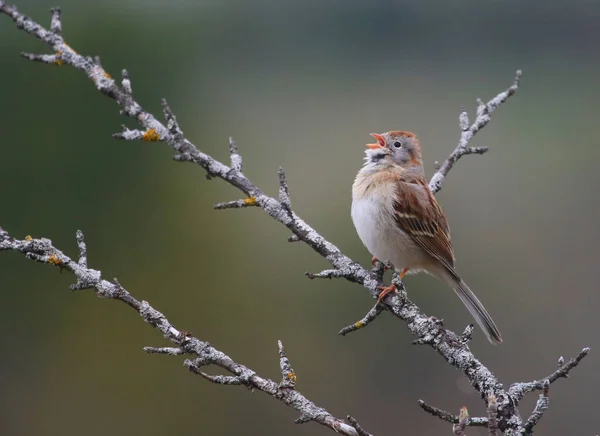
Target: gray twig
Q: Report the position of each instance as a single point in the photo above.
(235, 156)
(483, 117)
(55, 23)
(467, 335)
(171, 351)
(82, 249)
(449, 417)
(288, 380)
(126, 83)
(284, 193)
(541, 406)
(365, 321)
(236, 204)
(518, 390)
(357, 427)
(326, 274)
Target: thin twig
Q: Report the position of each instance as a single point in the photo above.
(541, 406)
(357, 426)
(288, 380)
(518, 390)
(483, 117)
(365, 321)
(449, 417)
(236, 158)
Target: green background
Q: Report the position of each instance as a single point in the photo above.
(298, 84)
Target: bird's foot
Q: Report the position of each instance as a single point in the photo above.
(385, 290)
(403, 273)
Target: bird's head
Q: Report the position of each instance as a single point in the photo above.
(396, 147)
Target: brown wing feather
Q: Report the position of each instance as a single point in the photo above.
(420, 215)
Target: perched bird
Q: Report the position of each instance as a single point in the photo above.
(398, 219)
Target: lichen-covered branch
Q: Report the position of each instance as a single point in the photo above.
(428, 330)
(484, 111)
(518, 390)
(202, 354)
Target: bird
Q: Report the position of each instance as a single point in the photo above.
(399, 220)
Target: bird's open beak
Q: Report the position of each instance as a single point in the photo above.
(380, 141)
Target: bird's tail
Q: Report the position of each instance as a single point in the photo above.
(472, 303)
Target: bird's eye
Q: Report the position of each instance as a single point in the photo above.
(397, 144)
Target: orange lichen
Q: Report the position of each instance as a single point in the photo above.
(54, 260)
(359, 324)
(250, 201)
(151, 135)
(292, 376)
(58, 61)
(28, 238)
(108, 76)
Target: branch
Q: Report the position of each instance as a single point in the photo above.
(42, 250)
(518, 390)
(540, 408)
(428, 330)
(365, 321)
(449, 417)
(483, 117)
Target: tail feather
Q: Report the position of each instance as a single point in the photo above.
(481, 315)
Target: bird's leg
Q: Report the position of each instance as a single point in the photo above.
(385, 290)
(403, 273)
(375, 260)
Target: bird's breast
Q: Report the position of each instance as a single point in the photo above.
(373, 216)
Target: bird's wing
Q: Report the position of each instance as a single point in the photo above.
(419, 214)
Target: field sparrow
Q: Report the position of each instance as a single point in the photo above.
(398, 219)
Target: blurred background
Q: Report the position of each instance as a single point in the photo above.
(298, 84)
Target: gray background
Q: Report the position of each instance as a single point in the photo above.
(298, 84)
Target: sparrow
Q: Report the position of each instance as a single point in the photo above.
(399, 220)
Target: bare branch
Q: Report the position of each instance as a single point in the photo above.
(43, 251)
(171, 351)
(55, 24)
(284, 193)
(236, 204)
(236, 158)
(357, 427)
(366, 320)
(448, 417)
(173, 126)
(467, 335)
(442, 414)
(82, 249)
(126, 83)
(326, 274)
(44, 58)
(540, 408)
(518, 390)
(288, 380)
(484, 111)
